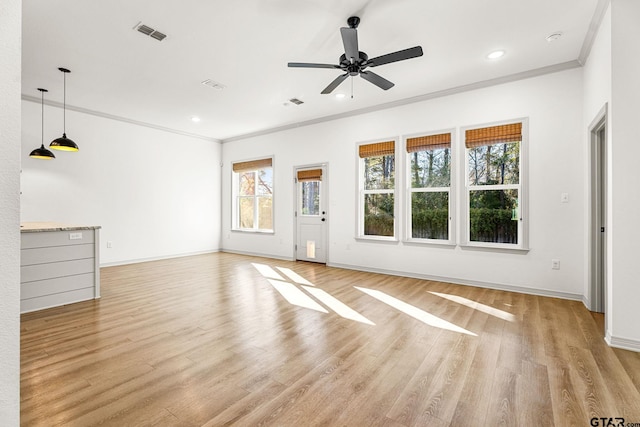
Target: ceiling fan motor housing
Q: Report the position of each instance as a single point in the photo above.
(357, 66)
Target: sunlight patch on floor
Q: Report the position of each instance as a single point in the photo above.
(295, 277)
(267, 271)
(295, 296)
(492, 311)
(414, 312)
(338, 306)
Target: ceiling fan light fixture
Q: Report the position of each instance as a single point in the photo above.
(496, 54)
(340, 95)
(63, 143)
(41, 152)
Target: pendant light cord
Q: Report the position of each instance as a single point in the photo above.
(64, 105)
(42, 127)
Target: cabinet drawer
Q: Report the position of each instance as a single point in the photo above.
(48, 301)
(56, 286)
(56, 254)
(56, 238)
(31, 273)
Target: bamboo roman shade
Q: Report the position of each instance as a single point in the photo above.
(386, 148)
(493, 135)
(310, 175)
(252, 165)
(429, 142)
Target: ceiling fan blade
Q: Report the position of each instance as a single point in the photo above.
(350, 41)
(372, 77)
(334, 84)
(400, 55)
(310, 65)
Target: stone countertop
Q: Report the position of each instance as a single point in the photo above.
(32, 227)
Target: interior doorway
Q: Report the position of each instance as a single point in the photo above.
(599, 203)
(311, 213)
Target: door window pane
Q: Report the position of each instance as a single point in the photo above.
(310, 197)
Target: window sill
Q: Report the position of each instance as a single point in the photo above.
(429, 242)
(496, 247)
(379, 239)
(240, 230)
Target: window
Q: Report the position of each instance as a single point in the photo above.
(495, 191)
(377, 190)
(253, 194)
(429, 198)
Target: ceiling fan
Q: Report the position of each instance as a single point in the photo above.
(354, 62)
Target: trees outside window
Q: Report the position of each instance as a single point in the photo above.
(377, 189)
(253, 193)
(495, 184)
(429, 160)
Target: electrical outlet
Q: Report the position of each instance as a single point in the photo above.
(109, 244)
(564, 197)
(555, 264)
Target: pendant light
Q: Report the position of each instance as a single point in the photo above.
(63, 143)
(42, 153)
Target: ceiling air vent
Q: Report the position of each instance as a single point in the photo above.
(296, 101)
(213, 85)
(148, 31)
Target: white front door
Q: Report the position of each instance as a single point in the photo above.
(311, 214)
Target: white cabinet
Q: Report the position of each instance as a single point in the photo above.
(58, 265)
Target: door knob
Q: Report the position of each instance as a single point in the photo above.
(323, 219)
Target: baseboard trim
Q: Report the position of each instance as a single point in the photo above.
(476, 283)
(160, 258)
(623, 343)
(586, 302)
(257, 254)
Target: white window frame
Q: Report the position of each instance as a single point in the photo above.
(235, 208)
(362, 192)
(451, 241)
(522, 187)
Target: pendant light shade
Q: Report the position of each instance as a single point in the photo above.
(63, 143)
(42, 153)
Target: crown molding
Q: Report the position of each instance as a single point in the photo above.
(425, 97)
(117, 118)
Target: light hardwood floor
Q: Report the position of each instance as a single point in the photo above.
(211, 340)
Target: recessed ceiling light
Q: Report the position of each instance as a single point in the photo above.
(496, 54)
(195, 119)
(554, 36)
(340, 95)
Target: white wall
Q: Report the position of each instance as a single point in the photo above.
(156, 194)
(597, 95)
(625, 107)
(10, 33)
(553, 104)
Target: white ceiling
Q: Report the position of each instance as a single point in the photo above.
(246, 44)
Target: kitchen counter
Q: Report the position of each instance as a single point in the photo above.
(31, 227)
(59, 264)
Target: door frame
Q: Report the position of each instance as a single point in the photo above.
(325, 185)
(598, 206)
